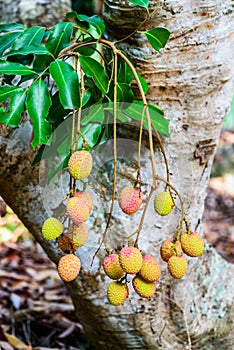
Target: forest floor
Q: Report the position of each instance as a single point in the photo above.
(36, 312)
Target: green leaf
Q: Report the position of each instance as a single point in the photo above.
(158, 37)
(135, 111)
(11, 27)
(94, 69)
(125, 74)
(143, 83)
(94, 114)
(12, 117)
(124, 93)
(38, 103)
(142, 3)
(67, 80)
(94, 21)
(33, 35)
(33, 49)
(59, 38)
(7, 91)
(57, 113)
(13, 68)
(7, 40)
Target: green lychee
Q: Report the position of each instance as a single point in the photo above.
(163, 203)
(130, 259)
(170, 248)
(112, 266)
(69, 267)
(143, 288)
(80, 164)
(77, 210)
(177, 266)
(150, 269)
(130, 199)
(192, 244)
(52, 228)
(117, 293)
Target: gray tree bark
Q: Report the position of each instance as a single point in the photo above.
(192, 81)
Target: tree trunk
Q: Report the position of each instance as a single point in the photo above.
(192, 81)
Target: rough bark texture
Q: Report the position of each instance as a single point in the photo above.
(192, 81)
(36, 12)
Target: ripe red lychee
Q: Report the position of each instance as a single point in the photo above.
(112, 267)
(86, 197)
(52, 228)
(130, 199)
(78, 235)
(80, 164)
(143, 288)
(163, 203)
(192, 244)
(130, 259)
(77, 210)
(170, 248)
(117, 293)
(150, 269)
(69, 267)
(177, 266)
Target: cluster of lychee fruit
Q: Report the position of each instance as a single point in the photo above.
(130, 261)
(78, 208)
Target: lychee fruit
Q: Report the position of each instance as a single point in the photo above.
(117, 293)
(77, 210)
(78, 235)
(192, 244)
(150, 269)
(130, 199)
(65, 244)
(130, 259)
(52, 228)
(143, 288)
(163, 203)
(80, 164)
(170, 248)
(86, 197)
(112, 267)
(177, 266)
(69, 267)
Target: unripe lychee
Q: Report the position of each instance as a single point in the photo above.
(163, 203)
(117, 293)
(112, 266)
(77, 210)
(130, 199)
(130, 259)
(192, 244)
(177, 266)
(143, 288)
(150, 269)
(80, 164)
(86, 197)
(170, 248)
(78, 235)
(69, 267)
(52, 228)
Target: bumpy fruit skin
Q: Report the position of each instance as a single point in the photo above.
(117, 293)
(77, 210)
(130, 199)
(168, 249)
(143, 288)
(78, 235)
(163, 203)
(80, 164)
(65, 244)
(112, 267)
(192, 244)
(177, 266)
(69, 267)
(130, 259)
(86, 197)
(150, 269)
(52, 228)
